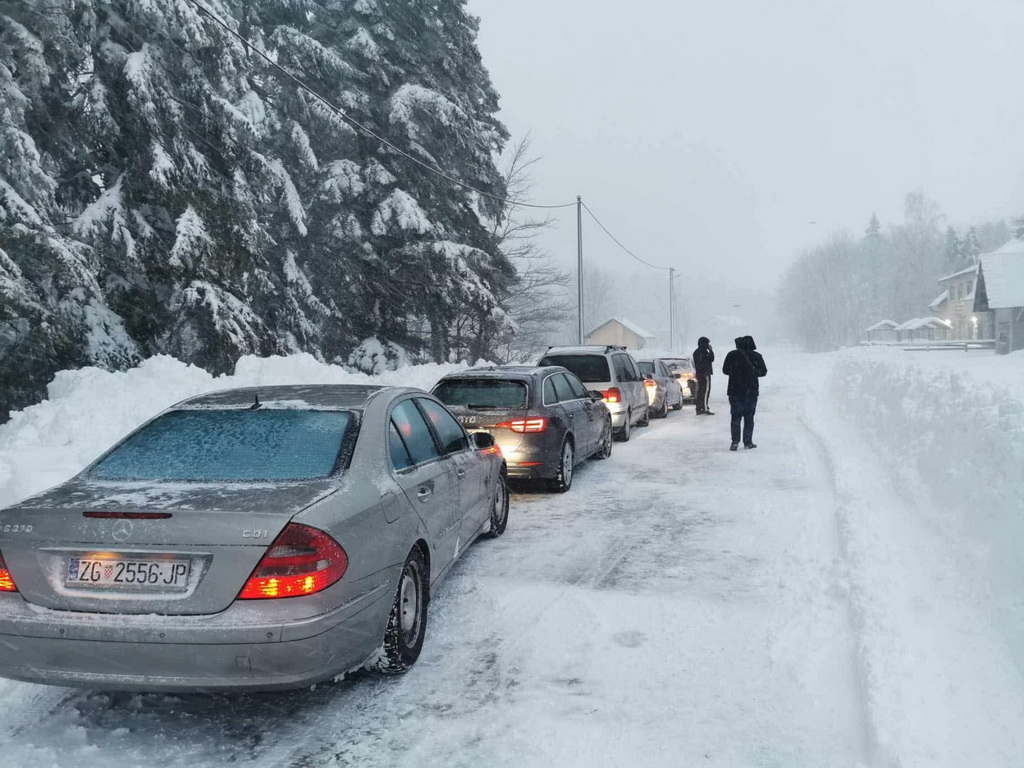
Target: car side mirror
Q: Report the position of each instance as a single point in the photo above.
(678, 375)
(648, 377)
(482, 440)
(596, 395)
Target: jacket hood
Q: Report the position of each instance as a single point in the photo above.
(750, 343)
(740, 341)
(703, 341)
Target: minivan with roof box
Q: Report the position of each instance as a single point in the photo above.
(612, 371)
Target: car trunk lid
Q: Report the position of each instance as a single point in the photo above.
(146, 548)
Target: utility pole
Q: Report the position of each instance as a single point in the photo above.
(579, 266)
(671, 310)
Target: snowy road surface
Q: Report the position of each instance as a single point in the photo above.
(681, 605)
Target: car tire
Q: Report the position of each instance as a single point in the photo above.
(566, 468)
(647, 417)
(663, 412)
(608, 438)
(499, 508)
(623, 433)
(407, 624)
(678, 406)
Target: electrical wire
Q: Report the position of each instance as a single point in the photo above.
(618, 243)
(355, 123)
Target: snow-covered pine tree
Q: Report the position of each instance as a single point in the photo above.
(163, 190)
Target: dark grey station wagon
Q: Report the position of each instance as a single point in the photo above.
(247, 539)
(543, 418)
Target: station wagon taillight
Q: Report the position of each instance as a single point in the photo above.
(6, 580)
(301, 561)
(539, 424)
(613, 395)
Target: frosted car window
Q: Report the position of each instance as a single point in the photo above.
(562, 388)
(577, 387)
(646, 367)
(550, 396)
(415, 432)
(482, 393)
(230, 446)
(589, 368)
(453, 437)
(400, 458)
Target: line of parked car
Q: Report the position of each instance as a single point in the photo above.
(274, 537)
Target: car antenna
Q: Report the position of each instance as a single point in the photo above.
(256, 404)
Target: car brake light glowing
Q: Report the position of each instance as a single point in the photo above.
(301, 561)
(613, 395)
(6, 580)
(539, 424)
(650, 383)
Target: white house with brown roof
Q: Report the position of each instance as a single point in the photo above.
(621, 332)
(1001, 291)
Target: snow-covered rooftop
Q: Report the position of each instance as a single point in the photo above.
(968, 271)
(934, 306)
(629, 325)
(883, 325)
(924, 322)
(1003, 271)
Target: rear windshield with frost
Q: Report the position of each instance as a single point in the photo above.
(591, 369)
(646, 367)
(482, 393)
(230, 446)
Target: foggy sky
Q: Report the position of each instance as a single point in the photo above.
(709, 135)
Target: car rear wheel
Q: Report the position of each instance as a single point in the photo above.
(566, 464)
(499, 508)
(647, 417)
(403, 638)
(606, 442)
(623, 433)
(662, 412)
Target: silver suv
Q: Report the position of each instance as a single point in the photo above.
(614, 372)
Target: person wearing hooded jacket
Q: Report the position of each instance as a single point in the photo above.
(703, 357)
(744, 366)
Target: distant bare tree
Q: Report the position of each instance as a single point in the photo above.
(539, 304)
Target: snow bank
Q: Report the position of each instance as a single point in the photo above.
(87, 410)
(925, 452)
(951, 427)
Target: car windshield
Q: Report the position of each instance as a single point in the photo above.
(482, 393)
(645, 367)
(588, 368)
(230, 446)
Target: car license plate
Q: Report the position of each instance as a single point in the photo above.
(138, 574)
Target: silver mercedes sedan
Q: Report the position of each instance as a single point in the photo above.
(248, 539)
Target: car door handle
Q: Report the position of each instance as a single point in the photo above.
(424, 493)
(460, 472)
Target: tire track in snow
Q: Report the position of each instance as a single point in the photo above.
(815, 449)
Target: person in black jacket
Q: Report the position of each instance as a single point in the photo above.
(744, 366)
(703, 357)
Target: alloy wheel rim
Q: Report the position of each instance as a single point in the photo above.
(567, 465)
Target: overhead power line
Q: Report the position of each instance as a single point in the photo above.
(618, 243)
(358, 125)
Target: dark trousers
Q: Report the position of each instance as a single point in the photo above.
(743, 410)
(703, 392)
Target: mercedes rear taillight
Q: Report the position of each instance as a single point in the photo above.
(301, 561)
(613, 395)
(6, 580)
(539, 424)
